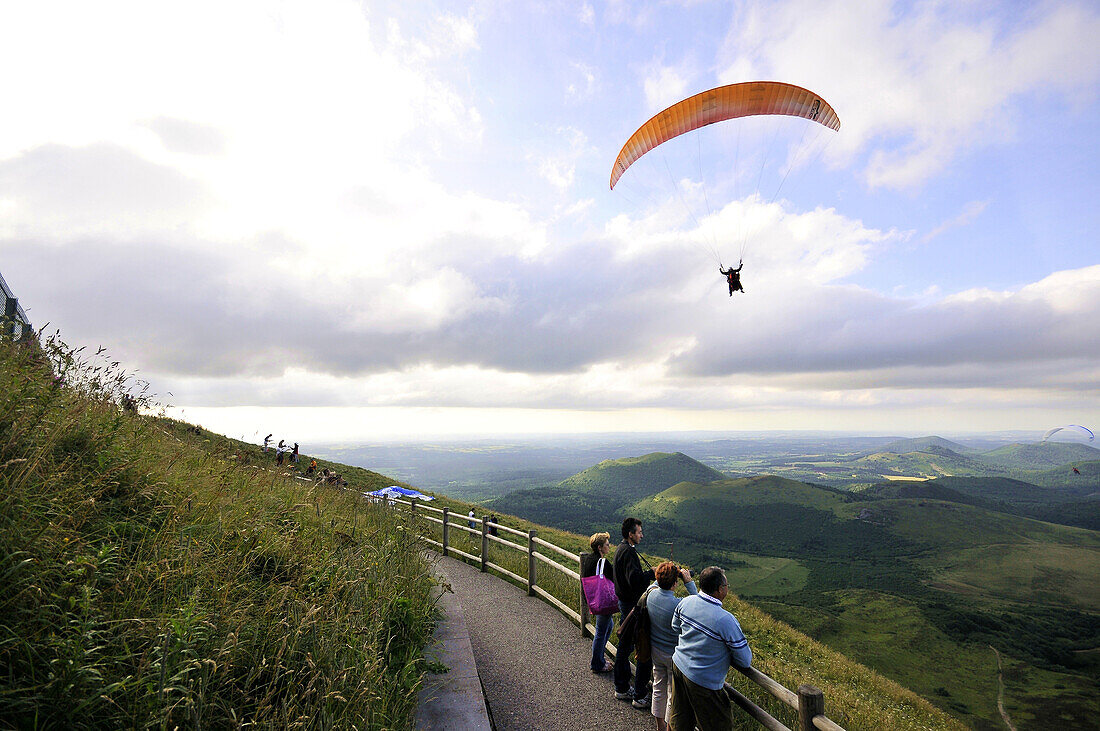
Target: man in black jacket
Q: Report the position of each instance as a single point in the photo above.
(630, 584)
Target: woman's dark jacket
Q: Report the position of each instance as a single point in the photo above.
(588, 568)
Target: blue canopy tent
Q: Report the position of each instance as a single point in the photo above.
(393, 491)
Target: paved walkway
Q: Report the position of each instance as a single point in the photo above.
(533, 663)
(454, 699)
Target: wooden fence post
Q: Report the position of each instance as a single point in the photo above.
(446, 528)
(531, 561)
(484, 545)
(811, 702)
(584, 602)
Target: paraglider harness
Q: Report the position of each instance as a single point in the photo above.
(733, 276)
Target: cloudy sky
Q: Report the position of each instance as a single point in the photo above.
(356, 219)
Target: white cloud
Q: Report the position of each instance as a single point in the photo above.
(918, 86)
(970, 211)
(560, 168)
(584, 86)
(666, 85)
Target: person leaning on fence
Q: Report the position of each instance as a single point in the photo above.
(630, 584)
(661, 604)
(600, 544)
(710, 640)
(471, 522)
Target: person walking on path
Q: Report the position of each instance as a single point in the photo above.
(597, 563)
(630, 583)
(661, 604)
(710, 640)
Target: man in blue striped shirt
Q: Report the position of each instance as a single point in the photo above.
(710, 641)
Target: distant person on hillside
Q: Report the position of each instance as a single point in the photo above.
(710, 640)
(471, 522)
(493, 524)
(267, 441)
(597, 562)
(279, 455)
(630, 584)
(661, 605)
(294, 454)
(312, 467)
(282, 444)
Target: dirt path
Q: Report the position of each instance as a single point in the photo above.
(1001, 691)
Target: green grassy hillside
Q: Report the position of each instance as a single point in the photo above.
(590, 499)
(931, 463)
(1040, 456)
(626, 480)
(1066, 506)
(1086, 481)
(921, 444)
(157, 576)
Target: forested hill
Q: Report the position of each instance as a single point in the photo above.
(593, 500)
(1040, 456)
(920, 444)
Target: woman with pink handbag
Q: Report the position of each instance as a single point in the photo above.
(598, 581)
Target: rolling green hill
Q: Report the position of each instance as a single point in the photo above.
(920, 444)
(594, 498)
(932, 462)
(1084, 482)
(1040, 456)
(623, 481)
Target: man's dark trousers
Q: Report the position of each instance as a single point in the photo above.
(622, 662)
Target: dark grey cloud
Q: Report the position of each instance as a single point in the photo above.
(846, 329)
(203, 310)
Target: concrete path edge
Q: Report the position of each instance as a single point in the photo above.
(454, 699)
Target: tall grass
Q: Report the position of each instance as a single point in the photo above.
(152, 578)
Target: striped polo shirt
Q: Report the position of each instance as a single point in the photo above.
(710, 641)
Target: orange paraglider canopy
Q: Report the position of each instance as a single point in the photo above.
(716, 105)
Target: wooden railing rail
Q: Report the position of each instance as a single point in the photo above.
(808, 701)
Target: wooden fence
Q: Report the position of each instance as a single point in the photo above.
(808, 700)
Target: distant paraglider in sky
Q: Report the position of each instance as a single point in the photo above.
(1075, 430)
(747, 99)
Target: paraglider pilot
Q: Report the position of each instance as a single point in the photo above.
(733, 276)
